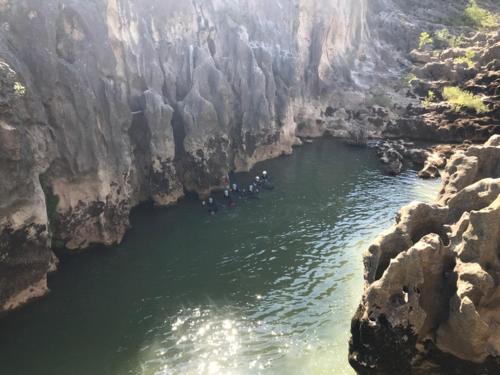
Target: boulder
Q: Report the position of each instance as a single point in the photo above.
(420, 57)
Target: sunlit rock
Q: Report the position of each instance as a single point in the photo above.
(431, 281)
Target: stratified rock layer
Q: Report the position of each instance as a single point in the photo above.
(432, 288)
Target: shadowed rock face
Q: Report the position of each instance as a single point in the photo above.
(432, 281)
(107, 103)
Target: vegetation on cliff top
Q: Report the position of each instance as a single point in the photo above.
(480, 17)
(474, 16)
(466, 59)
(460, 99)
(443, 39)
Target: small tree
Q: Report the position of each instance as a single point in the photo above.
(425, 40)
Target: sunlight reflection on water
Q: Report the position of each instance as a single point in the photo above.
(301, 325)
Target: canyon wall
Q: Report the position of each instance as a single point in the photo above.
(108, 103)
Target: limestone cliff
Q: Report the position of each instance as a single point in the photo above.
(108, 103)
(432, 294)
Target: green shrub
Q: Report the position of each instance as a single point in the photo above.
(409, 78)
(425, 40)
(456, 41)
(443, 39)
(460, 99)
(480, 17)
(19, 89)
(381, 100)
(429, 99)
(467, 59)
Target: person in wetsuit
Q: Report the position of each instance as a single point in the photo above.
(266, 183)
(253, 191)
(257, 181)
(235, 191)
(257, 184)
(212, 206)
(228, 199)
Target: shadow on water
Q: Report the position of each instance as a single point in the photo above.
(266, 287)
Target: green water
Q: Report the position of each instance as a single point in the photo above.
(268, 287)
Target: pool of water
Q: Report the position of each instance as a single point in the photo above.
(267, 287)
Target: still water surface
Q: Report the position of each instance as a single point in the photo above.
(268, 287)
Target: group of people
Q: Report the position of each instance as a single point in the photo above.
(233, 193)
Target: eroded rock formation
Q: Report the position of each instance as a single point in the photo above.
(105, 104)
(432, 282)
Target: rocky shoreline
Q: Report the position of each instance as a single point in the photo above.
(432, 281)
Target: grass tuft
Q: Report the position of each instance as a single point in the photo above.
(467, 59)
(460, 99)
(430, 98)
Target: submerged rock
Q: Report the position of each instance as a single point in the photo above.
(432, 288)
(393, 154)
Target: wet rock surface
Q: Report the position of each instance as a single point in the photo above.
(432, 281)
(393, 154)
(431, 160)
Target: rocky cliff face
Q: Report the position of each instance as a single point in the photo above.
(108, 103)
(432, 281)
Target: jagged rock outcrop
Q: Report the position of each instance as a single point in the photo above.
(432, 282)
(394, 153)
